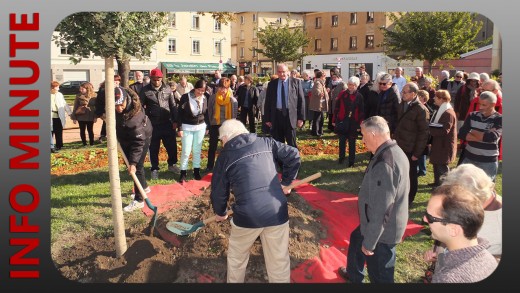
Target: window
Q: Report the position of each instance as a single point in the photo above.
(353, 43)
(254, 52)
(195, 47)
(242, 52)
(172, 45)
(335, 20)
(317, 45)
(353, 18)
(218, 26)
(172, 18)
(64, 51)
(242, 38)
(334, 44)
(195, 24)
(242, 19)
(370, 41)
(370, 16)
(279, 20)
(255, 33)
(318, 22)
(218, 48)
(254, 17)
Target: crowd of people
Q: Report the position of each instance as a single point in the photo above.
(402, 123)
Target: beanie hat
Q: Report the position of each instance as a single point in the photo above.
(119, 95)
(156, 73)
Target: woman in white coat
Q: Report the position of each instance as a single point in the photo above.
(58, 110)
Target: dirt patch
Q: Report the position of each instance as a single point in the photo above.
(200, 257)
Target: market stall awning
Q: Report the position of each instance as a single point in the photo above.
(191, 67)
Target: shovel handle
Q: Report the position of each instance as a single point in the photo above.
(136, 180)
(304, 180)
(213, 218)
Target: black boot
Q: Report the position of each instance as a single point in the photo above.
(182, 178)
(196, 173)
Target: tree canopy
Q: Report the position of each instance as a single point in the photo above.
(282, 42)
(431, 36)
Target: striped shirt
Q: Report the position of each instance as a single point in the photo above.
(487, 149)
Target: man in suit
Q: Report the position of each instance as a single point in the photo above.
(284, 106)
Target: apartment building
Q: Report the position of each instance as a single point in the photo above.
(195, 44)
(244, 32)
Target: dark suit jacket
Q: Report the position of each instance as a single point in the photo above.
(296, 105)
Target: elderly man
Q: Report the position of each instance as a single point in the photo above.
(284, 106)
(138, 85)
(382, 206)
(399, 79)
(412, 131)
(246, 166)
(482, 130)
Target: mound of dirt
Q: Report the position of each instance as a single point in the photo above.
(199, 257)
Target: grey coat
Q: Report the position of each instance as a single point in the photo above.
(383, 196)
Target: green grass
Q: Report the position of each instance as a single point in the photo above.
(81, 203)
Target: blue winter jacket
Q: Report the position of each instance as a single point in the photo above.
(246, 166)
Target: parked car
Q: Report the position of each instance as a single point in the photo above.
(71, 87)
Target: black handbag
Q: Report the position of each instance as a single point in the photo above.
(343, 126)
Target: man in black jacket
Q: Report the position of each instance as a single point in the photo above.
(246, 166)
(160, 107)
(247, 102)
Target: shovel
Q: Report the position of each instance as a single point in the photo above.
(140, 187)
(184, 229)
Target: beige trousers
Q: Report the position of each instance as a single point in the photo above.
(275, 246)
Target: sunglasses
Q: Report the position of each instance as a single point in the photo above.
(383, 83)
(431, 219)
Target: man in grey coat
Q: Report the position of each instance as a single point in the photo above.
(382, 205)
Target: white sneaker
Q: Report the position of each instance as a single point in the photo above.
(147, 190)
(174, 168)
(134, 205)
(155, 174)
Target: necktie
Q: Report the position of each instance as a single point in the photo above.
(284, 106)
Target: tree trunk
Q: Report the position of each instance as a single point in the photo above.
(113, 161)
(123, 69)
(430, 65)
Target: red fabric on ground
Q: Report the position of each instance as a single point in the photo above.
(340, 216)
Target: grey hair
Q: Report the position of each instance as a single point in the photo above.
(420, 68)
(445, 74)
(306, 72)
(231, 128)
(493, 83)
(428, 79)
(353, 80)
(377, 124)
(375, 85)
(488, 96)
(472, 178)
(484, 76)
(412, 87)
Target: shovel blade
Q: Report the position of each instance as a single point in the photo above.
(183, 229)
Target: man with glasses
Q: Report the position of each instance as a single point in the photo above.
(160, 107)
(455, 216)
(389, 100)
(412, 131)
(382, 206)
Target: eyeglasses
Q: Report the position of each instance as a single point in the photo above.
(457, 76)
(383, 83)
(404, 92)
(431, 219)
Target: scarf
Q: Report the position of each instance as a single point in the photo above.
(221, 100)
(442, 108)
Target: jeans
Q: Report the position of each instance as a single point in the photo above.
(491, 168)
(191, 140)
(380, 265)
(163, 132)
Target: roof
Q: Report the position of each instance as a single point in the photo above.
(476, 51)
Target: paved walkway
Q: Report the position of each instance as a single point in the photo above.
(71, 131)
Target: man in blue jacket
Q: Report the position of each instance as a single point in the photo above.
(382, 206)
(246, 165)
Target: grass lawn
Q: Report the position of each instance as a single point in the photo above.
(81, 201)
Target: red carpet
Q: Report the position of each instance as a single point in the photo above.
(340, 216)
